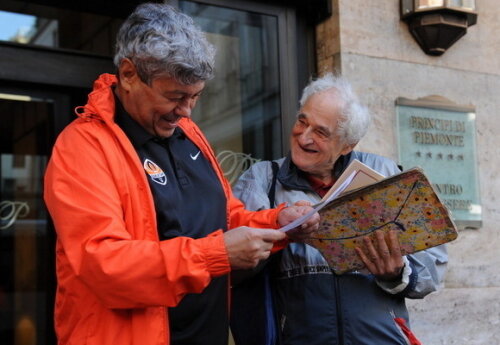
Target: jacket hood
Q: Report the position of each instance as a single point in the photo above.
(101, 102)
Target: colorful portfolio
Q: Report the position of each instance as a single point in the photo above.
(405, 202)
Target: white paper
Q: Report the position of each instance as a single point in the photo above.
(317, 207)
(365, 176)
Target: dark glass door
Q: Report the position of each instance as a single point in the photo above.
(26, 237)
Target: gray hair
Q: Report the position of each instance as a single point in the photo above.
(162, 42)
(354, 117)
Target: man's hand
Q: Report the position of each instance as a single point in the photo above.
(289, 214)
(382, 255)
(247, 246)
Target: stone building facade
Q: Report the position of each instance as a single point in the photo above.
(368, 43)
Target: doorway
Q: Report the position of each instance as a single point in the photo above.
(28, 126)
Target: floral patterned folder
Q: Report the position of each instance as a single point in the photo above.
(405, 202)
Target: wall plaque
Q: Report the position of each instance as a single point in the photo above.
(439, 136)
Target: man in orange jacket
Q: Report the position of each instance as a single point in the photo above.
(140, 204)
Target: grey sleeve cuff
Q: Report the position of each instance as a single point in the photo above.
(397, 286)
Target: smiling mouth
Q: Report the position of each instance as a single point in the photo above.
(307, 150)
(172, 120)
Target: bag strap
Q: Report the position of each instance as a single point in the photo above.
(272, 191)
(273, 336)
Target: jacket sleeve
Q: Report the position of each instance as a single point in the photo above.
(93, 214)
(423, 273)
(425, 270)
(430, 268)
(240, 215)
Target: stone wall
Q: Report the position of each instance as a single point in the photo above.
(367, 43)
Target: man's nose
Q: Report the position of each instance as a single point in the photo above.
(184, 108)
(306, 137)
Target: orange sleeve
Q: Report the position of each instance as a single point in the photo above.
(239, 216)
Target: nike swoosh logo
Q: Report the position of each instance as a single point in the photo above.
(195, 156)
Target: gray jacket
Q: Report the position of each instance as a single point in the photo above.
(312, 304)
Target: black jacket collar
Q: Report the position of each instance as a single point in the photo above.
(292, 177)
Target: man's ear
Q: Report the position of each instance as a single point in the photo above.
(127, 74)
(347, 149)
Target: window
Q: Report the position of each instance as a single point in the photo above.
(25, 245)
(43, 26)
(240, 108)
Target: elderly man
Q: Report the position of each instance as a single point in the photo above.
(140, 204)
(316, 306)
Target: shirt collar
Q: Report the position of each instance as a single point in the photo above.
(319, 186)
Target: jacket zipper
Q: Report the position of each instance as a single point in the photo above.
(340, 325)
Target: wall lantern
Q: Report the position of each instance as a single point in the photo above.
(437, 24)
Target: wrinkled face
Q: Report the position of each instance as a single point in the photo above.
(159, 107)
(314, 143)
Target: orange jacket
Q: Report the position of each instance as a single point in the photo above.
(115, 277)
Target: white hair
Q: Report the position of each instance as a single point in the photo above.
(354, 117)
(162, 42)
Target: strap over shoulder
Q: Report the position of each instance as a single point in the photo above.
(272, 190)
